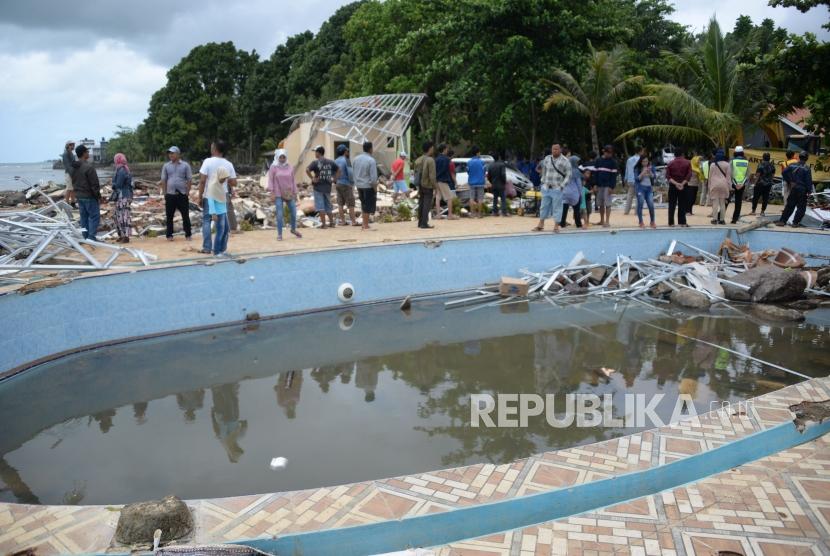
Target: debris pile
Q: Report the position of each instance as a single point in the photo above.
(252, 204)
(46, 239)
(696, 281)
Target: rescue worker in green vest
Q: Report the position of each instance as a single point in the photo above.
(740, 177)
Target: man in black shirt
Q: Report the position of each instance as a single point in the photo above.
(763, 184)
(323, 173)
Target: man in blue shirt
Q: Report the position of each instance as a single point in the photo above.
(475, 178)
(345, 186)
(801, 178)
(631, 188)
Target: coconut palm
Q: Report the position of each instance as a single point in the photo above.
(603, 92)
(715, 103)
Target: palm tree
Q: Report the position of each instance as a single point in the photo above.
(716, 102)
(603, 91)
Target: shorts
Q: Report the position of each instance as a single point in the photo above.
(368, 199)
(463, 195)
(443, 192)
(477, 194)
(551, 204)
(401, 187)
(345, 195)
(322, 201)
(68, 181)
(603, 197)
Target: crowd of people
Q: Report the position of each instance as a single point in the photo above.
(563, 182)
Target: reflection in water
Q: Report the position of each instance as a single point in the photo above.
(394, 405)
(227, 426)
(288, 392)
(190, 402)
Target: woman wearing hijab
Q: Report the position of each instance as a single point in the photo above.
(122, 195)
(720, 184)
(218, 210)
(572, 194)
(283, 190)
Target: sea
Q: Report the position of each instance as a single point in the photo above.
(32, 172)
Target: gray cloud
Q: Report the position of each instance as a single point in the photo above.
(81, 69)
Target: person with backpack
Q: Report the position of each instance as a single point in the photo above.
(740, 176)
(801, 178)
(720, 183)
(122, 196)
(763, 184)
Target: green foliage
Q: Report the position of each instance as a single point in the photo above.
(483, 65)
(802, 5)
(201, 100)
(404, 212)
(819, 105)
(128, 141)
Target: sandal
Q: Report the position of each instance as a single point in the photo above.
(537, 229)
(206, 251)
(296, 233)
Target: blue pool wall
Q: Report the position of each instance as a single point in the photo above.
(106, 308)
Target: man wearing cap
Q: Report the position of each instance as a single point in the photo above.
(323, 172)
(176, 177)
(740, 175)
(801, 178)
(345, 185)
(399, 175)
(68, 157)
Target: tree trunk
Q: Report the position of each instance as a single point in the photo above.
(534, 122)
(594, 139)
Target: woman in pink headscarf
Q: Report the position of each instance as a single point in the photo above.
(122, 195)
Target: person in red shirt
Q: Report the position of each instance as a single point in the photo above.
(678, 173)
(399, 177)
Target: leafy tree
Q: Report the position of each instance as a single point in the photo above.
(802, 6)
(603, 90)
(128, 141)
(201, 100)
(716, 102)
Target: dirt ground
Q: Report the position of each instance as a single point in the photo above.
(260, 241)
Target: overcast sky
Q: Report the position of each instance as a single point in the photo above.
(73, 70)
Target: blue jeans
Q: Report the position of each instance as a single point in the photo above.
(292, 208)
(500, 195)
(90, 217)
(220, 242)
(645, 195)
(206, 243)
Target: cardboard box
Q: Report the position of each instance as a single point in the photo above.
(509, 287)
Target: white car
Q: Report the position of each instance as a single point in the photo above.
(520, 181)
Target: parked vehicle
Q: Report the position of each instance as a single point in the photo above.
(520, 181)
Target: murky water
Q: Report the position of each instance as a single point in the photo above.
(361, 394)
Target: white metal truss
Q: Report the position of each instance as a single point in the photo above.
(375, 118)
(31, 239)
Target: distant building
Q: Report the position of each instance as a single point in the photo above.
(97, 152)
(784, 133)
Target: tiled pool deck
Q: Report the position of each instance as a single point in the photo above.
(777, 505)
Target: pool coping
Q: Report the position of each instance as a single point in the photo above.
(84, 529)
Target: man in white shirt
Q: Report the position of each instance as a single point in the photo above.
(631, 189)
(209, 167)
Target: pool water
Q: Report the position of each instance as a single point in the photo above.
(360, 394)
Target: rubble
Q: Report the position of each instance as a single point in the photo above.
(252, 204)
(696, 279)
(47, 240)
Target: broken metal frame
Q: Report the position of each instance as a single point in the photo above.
(365, 118)
(31, 239)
